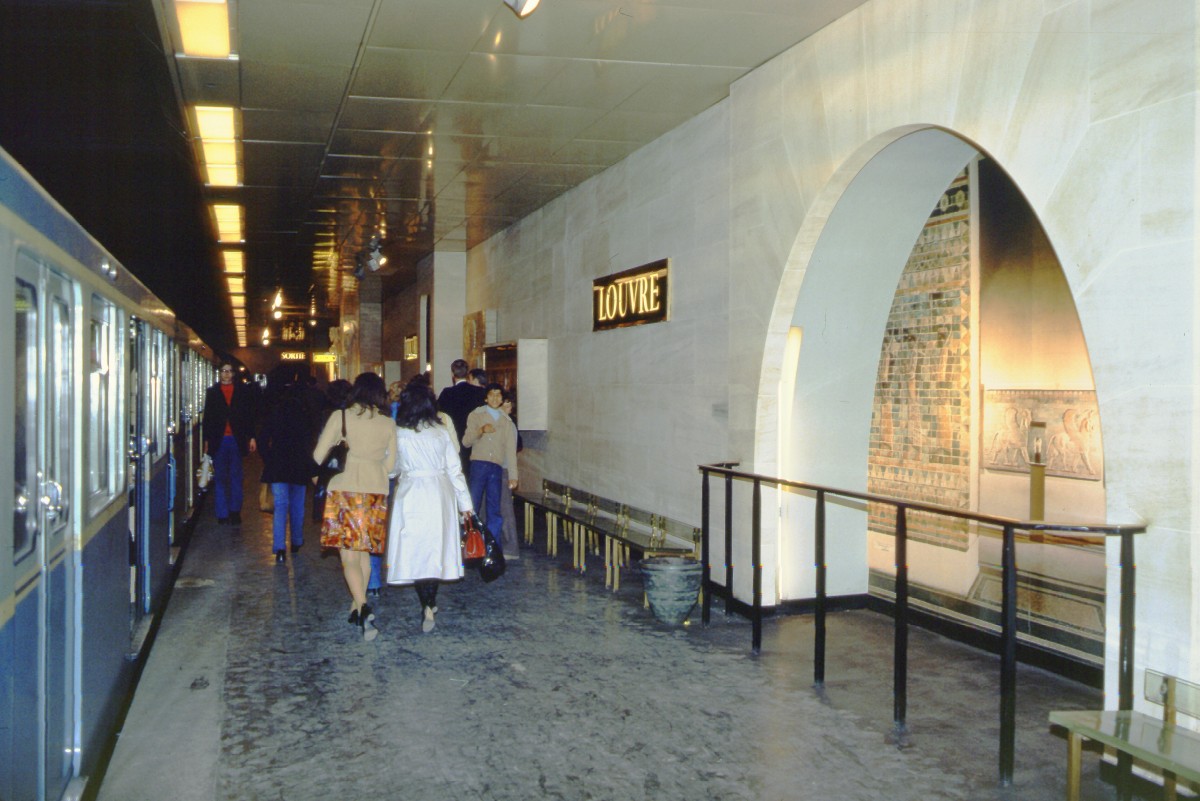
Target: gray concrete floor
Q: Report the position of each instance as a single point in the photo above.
(544, 685)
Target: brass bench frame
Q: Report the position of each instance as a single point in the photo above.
(587, 518)
(1162, 743)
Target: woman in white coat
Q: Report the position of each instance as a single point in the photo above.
(424, 543)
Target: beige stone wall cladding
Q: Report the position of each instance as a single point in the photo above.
(1089, 106)
(632, 410)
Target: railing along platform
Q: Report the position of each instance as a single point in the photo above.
(1008, 628)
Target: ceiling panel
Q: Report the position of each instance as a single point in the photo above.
(210, 81)
(371, 114)
(292, 87)
(291, 32)
(287, 126)
(446, 121)
(503, 78)
(415, 74)
(450, 25)
(282, 164)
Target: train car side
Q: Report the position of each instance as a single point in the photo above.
(100, 414)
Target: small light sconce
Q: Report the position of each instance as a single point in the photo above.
(522, 8)
(1036, 447)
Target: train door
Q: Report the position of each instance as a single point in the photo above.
(44, 551)
(140, 466)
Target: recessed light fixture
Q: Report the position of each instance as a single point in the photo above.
(522, 8)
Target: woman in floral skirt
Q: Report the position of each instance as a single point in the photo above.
(355, 519)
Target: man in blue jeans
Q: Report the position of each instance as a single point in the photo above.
(228, 430)
(492, 438)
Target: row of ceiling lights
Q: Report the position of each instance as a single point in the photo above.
(204, 33)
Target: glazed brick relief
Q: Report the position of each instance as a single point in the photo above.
(920, 424)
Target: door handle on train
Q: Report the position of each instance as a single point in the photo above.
(138, 447)
(53, 503)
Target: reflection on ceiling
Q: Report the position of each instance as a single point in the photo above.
(434, 125)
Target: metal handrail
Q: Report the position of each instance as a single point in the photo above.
(1008, 617)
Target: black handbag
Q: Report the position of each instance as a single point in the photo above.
(335, 460)
(493, 565)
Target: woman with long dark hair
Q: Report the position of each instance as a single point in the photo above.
(431, 496)
(355, 515)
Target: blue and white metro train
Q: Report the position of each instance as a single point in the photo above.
(99, 431)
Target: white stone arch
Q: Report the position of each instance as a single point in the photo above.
(836, 289)
(1108, 167)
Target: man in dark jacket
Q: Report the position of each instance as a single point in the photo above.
(458, 401)
(228, 436)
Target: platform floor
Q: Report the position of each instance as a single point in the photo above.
(544, 685)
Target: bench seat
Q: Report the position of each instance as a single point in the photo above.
(587, 518)
(1158, 742)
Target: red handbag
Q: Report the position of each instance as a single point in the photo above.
(473, 548)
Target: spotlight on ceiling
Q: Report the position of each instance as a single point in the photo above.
(522, 8)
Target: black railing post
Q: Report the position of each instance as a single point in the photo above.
(900, 653)
(728, 544)
(1008, 656)
(706, 575)
(1125, 657)
(756, 557)
(819, 628)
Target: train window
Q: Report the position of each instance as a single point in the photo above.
(100, 375)
(25, 428)
(104, 425)
(57, 464)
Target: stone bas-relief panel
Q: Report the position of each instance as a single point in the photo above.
(1072, 440)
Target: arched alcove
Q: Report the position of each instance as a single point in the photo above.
(843, 345)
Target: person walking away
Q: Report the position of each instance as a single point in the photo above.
(492, 439)
(285, 443)
(337, 397)
(458, 401)
(228, 431)
(355, 514)
(430, 500)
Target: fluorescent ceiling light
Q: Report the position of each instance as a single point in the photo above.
(522, 8)
(215, 123)
(204, 28)
(236, 284)
(222, 175)
(233, 261)
(230, 222)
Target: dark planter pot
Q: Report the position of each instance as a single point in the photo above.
(672, 586)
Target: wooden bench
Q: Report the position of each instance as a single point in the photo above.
(650, 534)
(555, 501)
(1162, 743)
(586, 519)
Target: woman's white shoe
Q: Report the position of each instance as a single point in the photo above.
(427, 624)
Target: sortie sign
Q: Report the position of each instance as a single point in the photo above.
(632, 297)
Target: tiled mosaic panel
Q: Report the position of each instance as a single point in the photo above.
(920, 424)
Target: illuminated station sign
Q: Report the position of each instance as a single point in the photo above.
(633, 297)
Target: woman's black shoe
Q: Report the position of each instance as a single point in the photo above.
(353, 619)
(279, 556)
(366, 619)
(296, 548)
